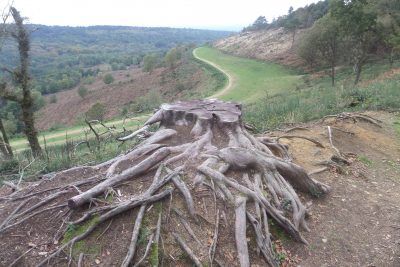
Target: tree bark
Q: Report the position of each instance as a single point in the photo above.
(5, 144)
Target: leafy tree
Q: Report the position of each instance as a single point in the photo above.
(358, 23)
(83, 91)
(96, 112)
(172, 57)
(292, 23)
(149, 63)
(259, 24)
(108, 78)
(322, 44)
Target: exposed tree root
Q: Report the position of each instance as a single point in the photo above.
(206, 147)
(301, 137)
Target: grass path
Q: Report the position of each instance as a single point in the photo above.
(228, 86)
(249, 80)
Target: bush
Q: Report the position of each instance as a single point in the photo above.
(53, 99)
(96, 112)
(148, 102)
(108, 78)
(82, 91)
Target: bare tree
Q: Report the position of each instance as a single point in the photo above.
(21, 79)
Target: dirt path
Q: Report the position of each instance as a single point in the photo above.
(230, 83)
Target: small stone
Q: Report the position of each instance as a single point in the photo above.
(31, 245)
(324, 240)
(43, 253)
(97, 261)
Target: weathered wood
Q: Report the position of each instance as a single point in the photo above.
(240, 232)
(135, 171)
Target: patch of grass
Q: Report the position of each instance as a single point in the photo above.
(397, 127)
(277, 232)
(58, 136)
(81, 246)
(365, 160)
(311, 103)
(154, 255)
(252, 79)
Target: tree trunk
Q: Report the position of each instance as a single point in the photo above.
(30, 130)
(5, 144)
(333, 75)
(357, 69)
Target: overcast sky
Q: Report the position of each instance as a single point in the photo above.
(213, 14)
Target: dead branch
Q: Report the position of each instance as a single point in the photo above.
(240, 232)
(187, 250)
(301, 137)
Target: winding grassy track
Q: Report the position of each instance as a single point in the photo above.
(249, 80)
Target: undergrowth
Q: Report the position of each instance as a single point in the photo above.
(316, 99)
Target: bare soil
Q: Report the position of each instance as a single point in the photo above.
(357, 224)
(270, 45)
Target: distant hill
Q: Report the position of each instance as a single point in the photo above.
(62, 56)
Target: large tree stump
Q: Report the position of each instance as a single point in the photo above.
(204, 144)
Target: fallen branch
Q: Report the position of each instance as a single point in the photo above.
(187, 250)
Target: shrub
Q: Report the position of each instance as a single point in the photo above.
(108, 78)
(53, 99)
(82, 91)
(96, 112)
(147, 102)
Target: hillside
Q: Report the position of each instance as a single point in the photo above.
(131, 87)
(270, 45)
(63, 56)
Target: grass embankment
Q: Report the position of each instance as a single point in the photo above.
(274, 95)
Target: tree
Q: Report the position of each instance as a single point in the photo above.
(5, 146)
(108, 78)
(358, 23)
(96, 112)
(322, 44)
(149, 62)
(21, 93)
(83, 91)
(292, 23)
(172, 57)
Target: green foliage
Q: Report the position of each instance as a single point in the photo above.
(53, 99)
(364, 159)
(148, 102)
(172, 57)
(149, 62)
(259, 24)
(96, 112)
(108, 78)
(154, 255)
(83, 91)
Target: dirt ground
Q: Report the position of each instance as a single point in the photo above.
(357, 224)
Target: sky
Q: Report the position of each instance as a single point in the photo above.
(205, 14)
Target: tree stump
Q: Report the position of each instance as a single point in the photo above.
(200, 145)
